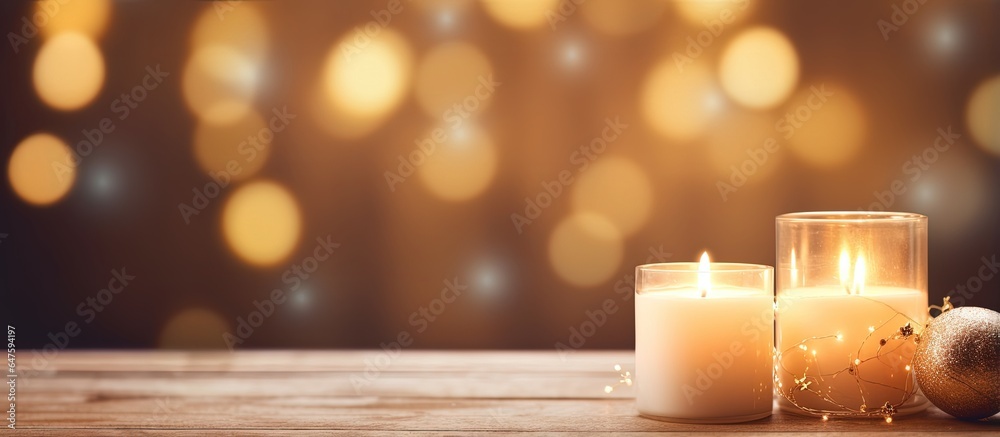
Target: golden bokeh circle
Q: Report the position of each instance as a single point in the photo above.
(617, 189)
(828, 135)
(759, 68)
(40, 170)
(449, 78)
(459, 168)
(368, 81)
(194, 328)
(89, 17)
(216, 146)
(69, 71)
(679, 104)
(242, 28)
(220, 83)
(585, 249)
(521, 14)
(262, 223)
(982, 115)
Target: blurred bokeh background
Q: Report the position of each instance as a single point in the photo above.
(464, 174)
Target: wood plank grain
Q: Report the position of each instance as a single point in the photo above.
(428, 392)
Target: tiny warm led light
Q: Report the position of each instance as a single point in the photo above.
(803, 347)
(888, 419)
(857, 361)
(814, 352)
(826, 417)
(840, 337)
(908, 367)
(704, 274)
(871, 329)
(608, 389)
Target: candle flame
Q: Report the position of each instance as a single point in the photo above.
(704, 283)
(852, 281)
(859, 274)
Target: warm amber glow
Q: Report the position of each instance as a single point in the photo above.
(520, 14)
(40, 171)
(451, 78)
(616, 17)
(220, 83)
(845, 270)
(585, 249)
(679, 104)
(704, 274)
(982, 114)
(217, 146)
(194, 328)
(759, 68)
(262, 223)
(617, 189)
(241, 28)
(68, 71)
(831, 135)
(462, 167)
(89, 17)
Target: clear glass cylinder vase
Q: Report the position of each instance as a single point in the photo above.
(851, 290)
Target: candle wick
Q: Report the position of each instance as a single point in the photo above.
(704, 293)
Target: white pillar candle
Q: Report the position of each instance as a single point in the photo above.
(704, 342)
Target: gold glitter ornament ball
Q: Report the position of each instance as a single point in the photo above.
(957, 362)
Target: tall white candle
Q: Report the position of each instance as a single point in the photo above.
(704, 353)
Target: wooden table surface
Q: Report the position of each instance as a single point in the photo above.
(350, 392)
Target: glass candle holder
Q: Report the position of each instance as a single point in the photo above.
(704, 341)
(851, 294)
